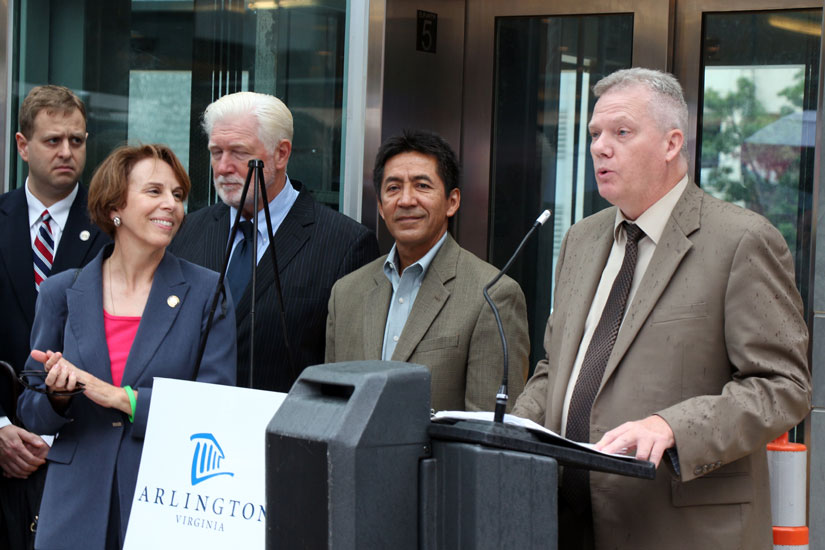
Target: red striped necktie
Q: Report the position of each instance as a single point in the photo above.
(43, 250)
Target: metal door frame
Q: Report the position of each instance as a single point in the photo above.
(652, 41)
(6, 60)
(687, 68)
(688, 48)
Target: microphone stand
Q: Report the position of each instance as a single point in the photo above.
(256, 166)
(501, 396)
(276, 273)
(255, 171)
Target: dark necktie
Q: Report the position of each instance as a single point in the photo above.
(576, 481)
(43, 253)
(240, 266)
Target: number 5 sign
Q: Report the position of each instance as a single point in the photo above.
(427, 36)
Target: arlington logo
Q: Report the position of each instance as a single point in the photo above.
(207, 458)
(195, 508)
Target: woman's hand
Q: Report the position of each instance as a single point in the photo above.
(64, 376)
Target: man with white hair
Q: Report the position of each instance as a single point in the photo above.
(315, 245)
(677, 331)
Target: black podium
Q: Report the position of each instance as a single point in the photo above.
(353, 461)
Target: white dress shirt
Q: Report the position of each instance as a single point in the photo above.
(59, 213)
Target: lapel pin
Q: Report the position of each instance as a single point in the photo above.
(84, 235)
(173, 301)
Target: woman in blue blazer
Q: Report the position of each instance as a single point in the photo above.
(135, 312)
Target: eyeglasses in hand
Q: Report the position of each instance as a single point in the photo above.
(38, 386)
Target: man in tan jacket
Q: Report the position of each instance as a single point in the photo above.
(706, 362)
(423, 302)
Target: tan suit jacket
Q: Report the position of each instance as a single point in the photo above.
(714, 341)
(451, 328)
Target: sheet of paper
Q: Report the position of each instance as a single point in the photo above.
(516, 421)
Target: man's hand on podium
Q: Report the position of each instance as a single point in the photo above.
(651, 437)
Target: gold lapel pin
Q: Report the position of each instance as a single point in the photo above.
(84, 235)
(173, 301)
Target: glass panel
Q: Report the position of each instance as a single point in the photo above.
(159, 107)
(758, 124)
(147, 69)
(545, 67)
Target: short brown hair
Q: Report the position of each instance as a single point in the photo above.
(51, 98)
(110, 182)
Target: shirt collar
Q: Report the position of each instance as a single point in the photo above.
(280, 203)
(59, 211)
(424, 262)
(653, 220)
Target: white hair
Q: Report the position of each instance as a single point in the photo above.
(274, 118)
(668, 100)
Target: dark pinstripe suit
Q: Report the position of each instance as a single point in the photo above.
(315, 246)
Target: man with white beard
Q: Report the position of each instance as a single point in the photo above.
(315, 245)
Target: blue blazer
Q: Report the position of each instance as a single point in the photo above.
(98, 447)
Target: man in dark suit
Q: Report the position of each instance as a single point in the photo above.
(315, 245)
(677, 331)
(52, 140)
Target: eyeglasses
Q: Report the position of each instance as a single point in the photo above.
(38, 385)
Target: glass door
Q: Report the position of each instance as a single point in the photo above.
(535, 64)
(752, 76)
(147, 69)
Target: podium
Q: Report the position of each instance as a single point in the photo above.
(353, 461)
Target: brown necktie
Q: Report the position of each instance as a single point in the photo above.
(595, 360)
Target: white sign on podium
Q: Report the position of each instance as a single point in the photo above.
(201, 480)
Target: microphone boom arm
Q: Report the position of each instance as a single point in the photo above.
(501, 396)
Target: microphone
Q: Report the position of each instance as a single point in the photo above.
(501, 396)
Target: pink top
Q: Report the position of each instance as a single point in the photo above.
(120, 333)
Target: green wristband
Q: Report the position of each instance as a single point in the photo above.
(132, 401)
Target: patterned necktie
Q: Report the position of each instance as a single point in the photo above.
(240, 266)
(576, 481)
(43, 250)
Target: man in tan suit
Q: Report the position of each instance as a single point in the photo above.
(423, 302)
(709, 361)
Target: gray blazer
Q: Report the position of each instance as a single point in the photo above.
(451, 328)
(714, 341)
